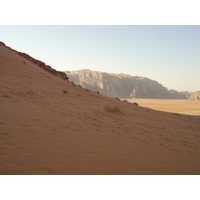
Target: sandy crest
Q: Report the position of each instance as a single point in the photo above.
(51, 126)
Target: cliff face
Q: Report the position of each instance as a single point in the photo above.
(195, 96)
(122, 85)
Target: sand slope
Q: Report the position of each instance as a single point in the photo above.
(44, 130)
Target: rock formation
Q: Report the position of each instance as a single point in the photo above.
(122, 85)
(195, 96)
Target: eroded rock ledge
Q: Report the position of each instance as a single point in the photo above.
(41, 64)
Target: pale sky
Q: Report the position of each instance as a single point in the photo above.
(167, 54)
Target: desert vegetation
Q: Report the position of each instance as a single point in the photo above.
(65, 91)
(112, 108)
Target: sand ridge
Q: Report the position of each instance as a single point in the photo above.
(52, 126)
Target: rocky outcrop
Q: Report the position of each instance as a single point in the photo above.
(195, 96)
(144, 91)
(179, 95)
(1, 43)
(41, 64)
(122, 85)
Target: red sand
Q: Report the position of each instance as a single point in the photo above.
(44, 130)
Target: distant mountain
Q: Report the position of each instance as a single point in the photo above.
(123, 85)
(195, 96)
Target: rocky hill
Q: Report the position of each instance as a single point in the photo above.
(123, 85)
(195, 96)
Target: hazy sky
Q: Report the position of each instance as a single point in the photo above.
(167, 54)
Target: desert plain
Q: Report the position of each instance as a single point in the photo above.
(181, 106)
(52, 126)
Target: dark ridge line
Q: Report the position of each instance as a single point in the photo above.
(39, 63)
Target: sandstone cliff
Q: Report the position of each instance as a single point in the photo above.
(123, 85)
(195, 96)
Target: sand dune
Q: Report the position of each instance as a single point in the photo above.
(51, 126)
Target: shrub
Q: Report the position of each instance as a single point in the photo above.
(135, 103)
(65, 91)
(73, 84)
(111, 109)
(30, 92)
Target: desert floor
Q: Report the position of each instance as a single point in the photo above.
(170, 105)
